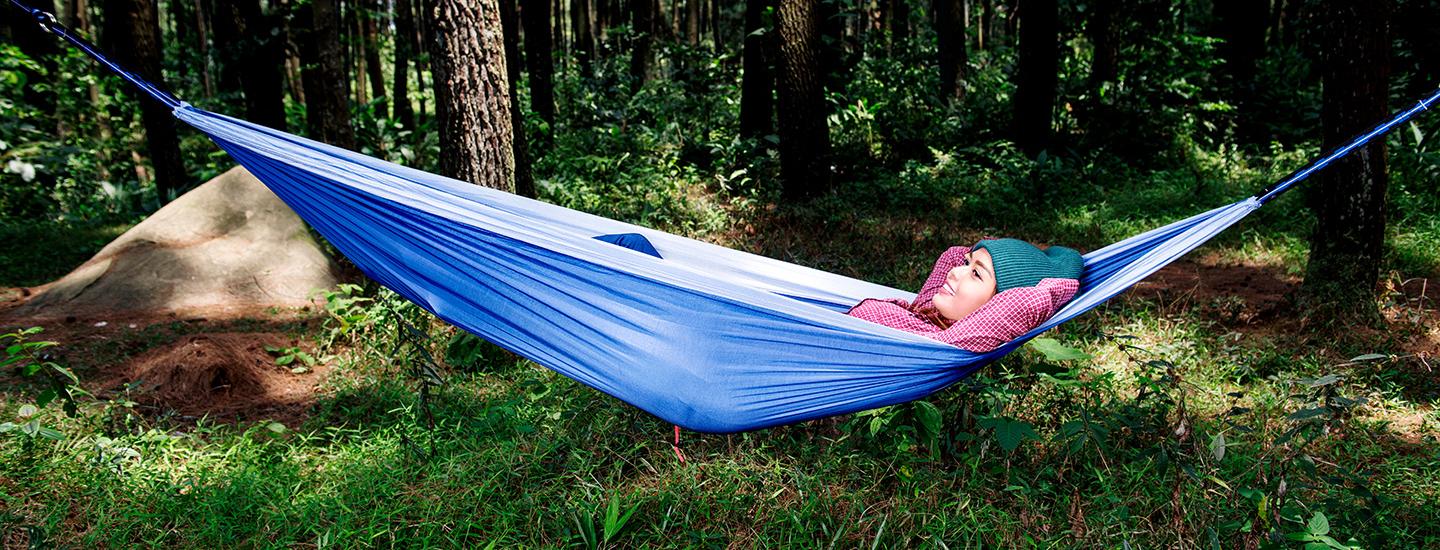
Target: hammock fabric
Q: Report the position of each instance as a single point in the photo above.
(705, 337)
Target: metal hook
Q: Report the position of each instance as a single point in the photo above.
(46, 20)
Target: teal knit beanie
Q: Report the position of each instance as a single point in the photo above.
(1020, 264)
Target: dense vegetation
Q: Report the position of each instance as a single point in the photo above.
(1181, 419)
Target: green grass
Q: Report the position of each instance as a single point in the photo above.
(37, 252)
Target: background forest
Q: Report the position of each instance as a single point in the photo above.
(1274, 389)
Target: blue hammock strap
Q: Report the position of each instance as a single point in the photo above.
(50, 24)
(1383, 128)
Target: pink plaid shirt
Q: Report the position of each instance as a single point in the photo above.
(1006, 316)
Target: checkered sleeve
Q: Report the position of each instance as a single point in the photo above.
(1008, 315)
(952, 257)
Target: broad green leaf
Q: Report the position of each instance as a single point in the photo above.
(1368, 357)
(1217, 447)
(1010, 433)
(1319, 525)
(929, 416)
(1055, 351)
(276, 427)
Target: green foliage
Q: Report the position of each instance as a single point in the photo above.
(30, 360)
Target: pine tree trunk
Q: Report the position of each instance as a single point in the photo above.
(404, 30)
(950, 36)
(472, 101)
(327, 107)
(540, 58)
(1034, 100)
(251, 58)
(1104, 66)
(375, 72)
(1349, 200)
(584, 38)
(202, 26)
(804, 137)
(285, 12)
(132, 30)
(510, 23)
(642, 14)
(758, 87)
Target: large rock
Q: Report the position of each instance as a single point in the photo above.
(230, 245)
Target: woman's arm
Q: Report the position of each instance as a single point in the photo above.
(1009, 314)
(893, 313)
(952, 257)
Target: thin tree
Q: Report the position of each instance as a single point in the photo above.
(251, 60)
(132, 30)
(510, 23)
(757, 89)
(804, 137)
(1349, 198)
(642, 13)
(950, 39)
(472, 99)
(1102, 29)
(404, 50)
(327, 107)
(1034, 100)
(369, 12)
(540, 60)
(580, 18)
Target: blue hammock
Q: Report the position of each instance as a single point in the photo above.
(704, 337)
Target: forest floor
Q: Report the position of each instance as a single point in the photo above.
(197, 436)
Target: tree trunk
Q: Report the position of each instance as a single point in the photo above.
(251, 58)
(982, 31)
(327, 108)
(899, 22)
(375, 73)
(540, 58)
(1349, 200)
(1034, 100)
(404, 30)
(1242, 27)
(692, 22)
(804, 137)
(643, 18)
(285, 12)
(510, 24)
(950, 35)
(202, 26)
(584, 37)
(472, 101)
(132, 29)
(1104, 65)
(758, 86)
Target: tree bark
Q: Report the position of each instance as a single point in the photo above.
(1349, 200)
(404, 31)
(132, 29)
(472, 100)
(1034, 101)
(950, 35)
(584, 36)
(327, 108)
(540, 58)
(251, 59)
(642, 14)
(1104, 66)
(1242, 27)
(510, 23)
(757, 89)
(804, 136)
(375, 72)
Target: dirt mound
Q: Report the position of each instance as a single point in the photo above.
(228, 244)
(227, 375)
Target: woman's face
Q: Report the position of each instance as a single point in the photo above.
(967, 286)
